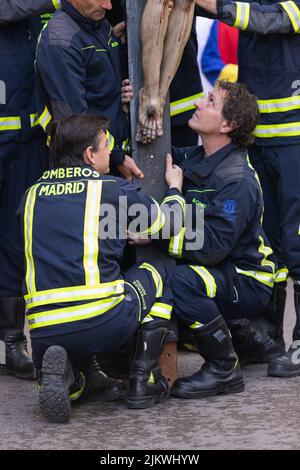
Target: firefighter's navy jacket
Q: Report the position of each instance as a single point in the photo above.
(74, 223)
(226, 187)
(18, 36)
(269, 63)
(78, 62)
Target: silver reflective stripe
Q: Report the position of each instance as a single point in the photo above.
(91, 229)
(176, 243)
(74, 294)
(34, 119)
(208, 279)
(186, 104)
(66, 315)
(280, 105)
(156, 278)
(278, 130)
(242, 15)
(161, 310)
(28, 226)
(294, 14)
(56, 4)
(11, 123)
(45, 118)
(265, 278)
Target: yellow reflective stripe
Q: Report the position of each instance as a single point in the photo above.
(242, 15)
(28, 225)
(158, 224)
(10, 123)
(156, 278)
(75, 293)
(278, 130)
(69, 314)
(151, 379)
(176, 244)
(126, 145)
(45, 118)
(299, 230)
(91, 229)
(209, 281)
(196, 325)
(34, 119)
(56, 4)
(262, 277)
(161, 310)
(279, 105)
(76, 395)
(281, 275)
(110, 140)
(147, 319)
(266, 251)
(293, 13)
(174, 198)
(185, 104)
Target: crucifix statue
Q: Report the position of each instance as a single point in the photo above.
(165, 29)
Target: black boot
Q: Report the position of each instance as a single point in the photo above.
(250, 342)
(271, 322)
(16, 359)
(147, 385)
(220, 373)
(288, 365)
(59, 384)
(103, 387)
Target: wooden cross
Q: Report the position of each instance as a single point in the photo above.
(151, 159)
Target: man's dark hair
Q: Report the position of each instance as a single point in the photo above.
(71, 136)
(240, 110)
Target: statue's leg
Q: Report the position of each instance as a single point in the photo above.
(153, 30)
(178, 33)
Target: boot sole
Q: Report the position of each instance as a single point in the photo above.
(236, 387)
(145, 402)
(53, 394)
(283, 374)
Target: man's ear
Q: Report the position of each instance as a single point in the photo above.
(227, 127)
(88, 156)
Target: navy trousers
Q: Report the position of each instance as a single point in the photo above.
(201, 293)
(21, 164)
(109, 331)
(278, 169)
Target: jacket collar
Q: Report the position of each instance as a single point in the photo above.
(86, 23)
(202, 166)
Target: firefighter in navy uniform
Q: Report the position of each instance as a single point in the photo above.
(269, 64)
(23, 157)
(79, 70)
(230, 275)
(79, 303)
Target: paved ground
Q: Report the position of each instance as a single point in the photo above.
(265, 416)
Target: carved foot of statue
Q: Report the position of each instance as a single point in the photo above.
(150, 123)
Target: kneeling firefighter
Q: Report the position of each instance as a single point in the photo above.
(79, 303)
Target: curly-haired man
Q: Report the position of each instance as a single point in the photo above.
(230, 275)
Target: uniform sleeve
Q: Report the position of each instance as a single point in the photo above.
(62, 72)
(209, 235)
(146, 217)
(16, 10)
(282, 17)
